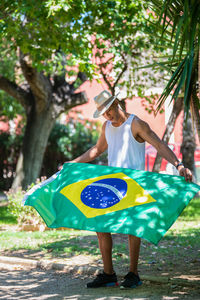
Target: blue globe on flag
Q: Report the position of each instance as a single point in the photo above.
(104, 193)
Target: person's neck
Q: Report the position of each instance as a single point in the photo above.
(123, 116)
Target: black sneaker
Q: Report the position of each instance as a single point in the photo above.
(103, 280)
(131, 280)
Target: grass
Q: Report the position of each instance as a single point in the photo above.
(184, 234)
(192, 211)
(6, 217)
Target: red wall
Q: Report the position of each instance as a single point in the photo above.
(132, 106)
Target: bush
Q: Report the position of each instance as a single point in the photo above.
(69, 141)
(24, 214)
(9, 152)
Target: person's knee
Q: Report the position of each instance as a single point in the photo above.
(103, 234)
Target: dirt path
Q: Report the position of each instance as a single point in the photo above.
(17, 282)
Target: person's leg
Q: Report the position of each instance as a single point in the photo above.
(105, 246)
(134, 251)
(108, 277)
(132, 279)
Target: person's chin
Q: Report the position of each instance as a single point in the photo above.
(109, 119)
(113, 121)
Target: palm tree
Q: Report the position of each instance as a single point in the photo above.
(188, 144)
(179, 25)
(177, 108)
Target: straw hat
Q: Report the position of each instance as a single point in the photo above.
(103, 101)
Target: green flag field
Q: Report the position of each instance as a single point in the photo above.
(109, 199)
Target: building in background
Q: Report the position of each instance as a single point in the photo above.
(157, 123)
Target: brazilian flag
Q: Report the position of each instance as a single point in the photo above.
(110, 199)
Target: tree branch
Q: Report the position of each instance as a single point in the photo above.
(14, 90)
(103, 65)
(58, 81)
(106, 79)
(68, 101)
(195, 111)
(77, 99)
(40, 85)
(82, 76)
(120, 74)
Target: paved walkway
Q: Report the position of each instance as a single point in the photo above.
(27, 279)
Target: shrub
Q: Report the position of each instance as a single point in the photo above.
(24, 214)
(9, 152)
(69, 141)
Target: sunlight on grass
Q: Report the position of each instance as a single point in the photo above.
(192, 211)
(53, 240)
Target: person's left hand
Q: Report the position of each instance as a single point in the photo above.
(61, 166)
(185, 172)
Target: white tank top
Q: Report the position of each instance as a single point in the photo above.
(123, 149)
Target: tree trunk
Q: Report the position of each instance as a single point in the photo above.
(44, 98)
(195, 100)
(195, 113)
(35, 140)
(178, 105)
(188, 144)
(195, 97)
(38, 129)
(199, 72)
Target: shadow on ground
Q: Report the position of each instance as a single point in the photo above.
(40, 284)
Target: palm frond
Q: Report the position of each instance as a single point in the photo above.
(179, 22)
(171, 84)
(188, 82)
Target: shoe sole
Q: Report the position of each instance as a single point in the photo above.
(130, 287)
(110, 284)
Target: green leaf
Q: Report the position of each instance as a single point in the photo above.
(172, 82)
(188, 79)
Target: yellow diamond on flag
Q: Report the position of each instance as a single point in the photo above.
(106, 194)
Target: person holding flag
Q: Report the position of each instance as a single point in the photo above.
(124, 136)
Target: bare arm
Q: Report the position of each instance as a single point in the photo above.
(143, 130)
(94, 151)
